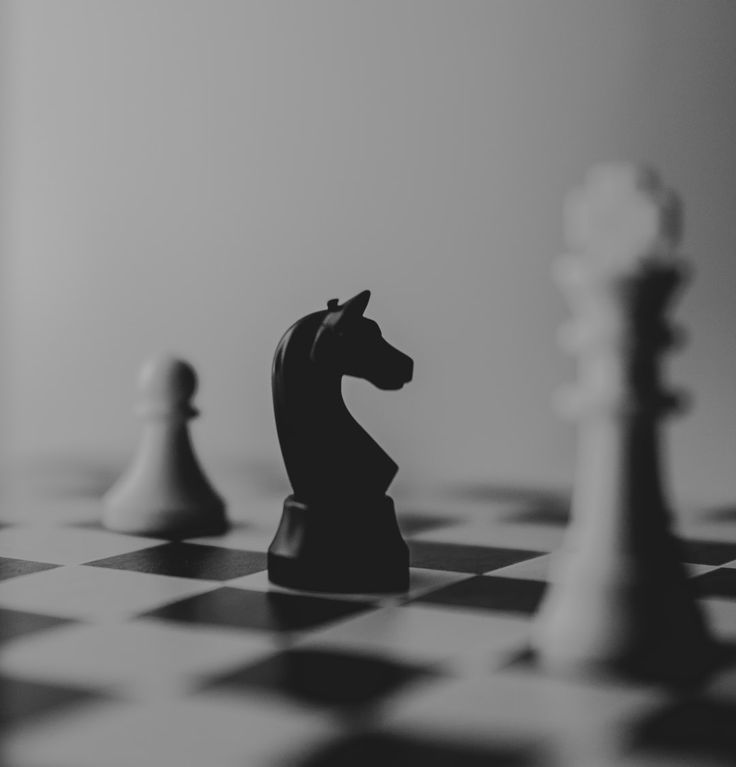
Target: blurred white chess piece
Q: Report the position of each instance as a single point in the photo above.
(164, 492)
(619, 598)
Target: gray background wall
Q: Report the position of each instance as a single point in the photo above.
(194, 176)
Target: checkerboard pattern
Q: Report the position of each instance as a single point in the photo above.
(120, 650)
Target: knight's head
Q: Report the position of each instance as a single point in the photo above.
(353, 345)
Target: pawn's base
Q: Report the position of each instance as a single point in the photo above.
(356, 549)
(168, 523)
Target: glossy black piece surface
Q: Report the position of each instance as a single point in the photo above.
(338, 531)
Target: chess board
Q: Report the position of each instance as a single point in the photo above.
(122, 650)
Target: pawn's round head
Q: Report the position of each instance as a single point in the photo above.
(166, 382)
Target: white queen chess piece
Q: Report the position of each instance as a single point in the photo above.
(164, 491)
(619, 599)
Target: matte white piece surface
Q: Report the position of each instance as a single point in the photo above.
(165, 492)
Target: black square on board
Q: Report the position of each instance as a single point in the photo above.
(323, 677)
(262, 610)
(717, 583)
(414, 522)
(21, 699)
(699, 729)
(486, 592)
(462, 558)
(188, 560)
(389, 750)
(11, 568)
(16, 623)
(708, 552)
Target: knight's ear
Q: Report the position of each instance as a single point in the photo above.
(354, 307)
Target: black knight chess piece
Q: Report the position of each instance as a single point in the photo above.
(338, 530)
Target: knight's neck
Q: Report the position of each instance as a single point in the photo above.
(328, 394)
(315, 394)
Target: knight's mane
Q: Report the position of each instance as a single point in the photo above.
(293, 350)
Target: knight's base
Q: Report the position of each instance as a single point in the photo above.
(356, 548)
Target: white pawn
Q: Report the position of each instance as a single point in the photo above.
(164, 492)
